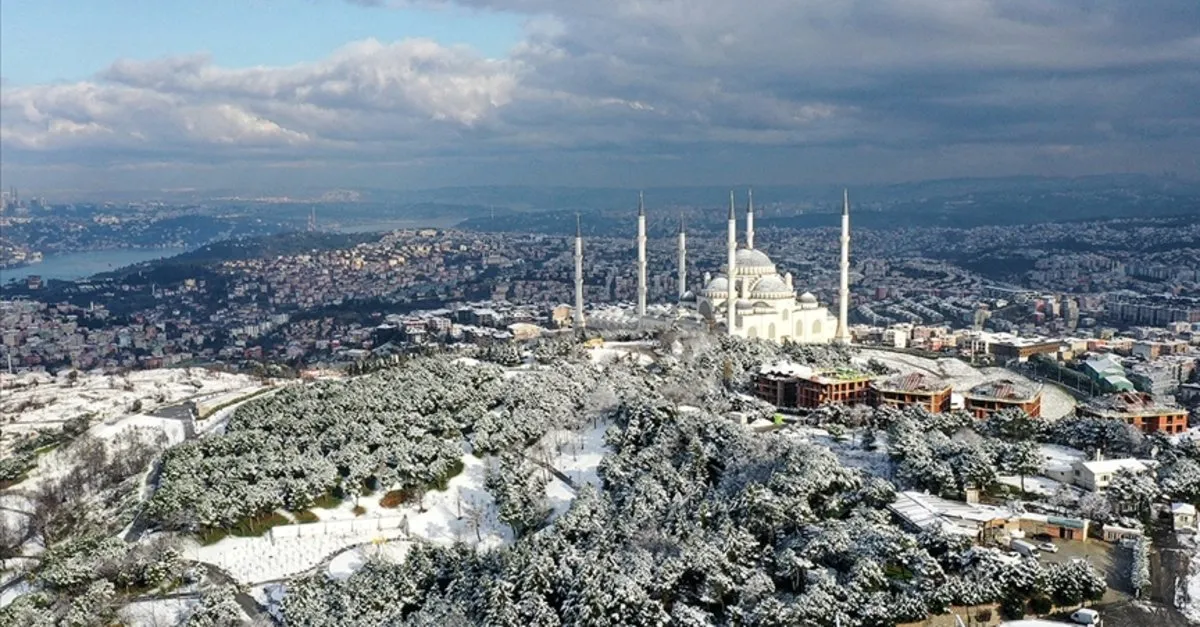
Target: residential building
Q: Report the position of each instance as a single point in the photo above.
(1095, 476)
(1001, 394)
(913, 389)
(1147, 413)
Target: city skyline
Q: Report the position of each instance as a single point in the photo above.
(367, 94)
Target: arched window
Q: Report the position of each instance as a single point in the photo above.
(771, 331)
(800, 328)
(752, 332)
(816, 327)
(785, 315)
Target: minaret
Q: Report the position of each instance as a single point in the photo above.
(750, 221)
(843, 329)
(641, 246)
(579, 323)
(731, 270)
(682, 258)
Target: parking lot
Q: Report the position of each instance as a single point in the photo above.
(1117, 607)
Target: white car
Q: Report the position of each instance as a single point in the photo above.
(1085, 616)
(1047, 547)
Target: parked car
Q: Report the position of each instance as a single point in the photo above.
(1024, 548)
(1042, 537)
(1085, 616)
(1048, 547)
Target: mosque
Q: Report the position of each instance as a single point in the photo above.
(749, 298)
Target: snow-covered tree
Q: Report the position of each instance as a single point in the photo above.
(1132, 492)
(218, 608)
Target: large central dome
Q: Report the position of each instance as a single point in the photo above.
(752, 262)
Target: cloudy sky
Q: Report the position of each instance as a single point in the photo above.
(144, 94)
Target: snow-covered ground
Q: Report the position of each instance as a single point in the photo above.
(576, 454)
(610, 351)
(157, 612)
(350, 561)
(580, 453)
(1187, 594)
(253, 560)
(38, 401)
(849, 449)
(18, 589)
(1056, 402)
(1042, 486)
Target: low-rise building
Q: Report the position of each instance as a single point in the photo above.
(1183, 516)
(913, 389)
(1145, 412)
(791, 386)
(833, 387)
(988, 398)
(1097, 475)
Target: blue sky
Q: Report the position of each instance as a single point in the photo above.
(44, 41)
(141, 94)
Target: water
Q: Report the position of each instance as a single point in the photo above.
(73, 266)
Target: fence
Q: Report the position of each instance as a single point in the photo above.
(340, 528)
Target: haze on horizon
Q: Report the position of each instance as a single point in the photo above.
(425, 93)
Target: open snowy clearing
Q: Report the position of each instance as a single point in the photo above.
(1056, 403)
(1041, 486)
(579, 453)
(611, 351)
(350, 561)
(259, 559)
(849, 449)
(157, 612)
(43, 399)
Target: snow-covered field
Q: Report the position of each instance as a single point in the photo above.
(348, 562)
(255, 560)
(1056, 403)
(850, 451)
(610, 351)
(157, 612)
(576, 454)
(39, 401)
(51, 399)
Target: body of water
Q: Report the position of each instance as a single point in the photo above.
(73, 266)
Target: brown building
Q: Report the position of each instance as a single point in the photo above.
(1021, 349)
(837, 387)
(988, 398)
(779, 389)
(914, 389)
(792, 388)
(1145, 412)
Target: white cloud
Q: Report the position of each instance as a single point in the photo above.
(667, 78)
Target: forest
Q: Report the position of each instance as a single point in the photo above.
(697, 520)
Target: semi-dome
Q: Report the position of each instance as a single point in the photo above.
(807, 300)
(770, 286)
(719, 284)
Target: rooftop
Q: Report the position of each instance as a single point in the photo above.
(913, 382)
(839, 375)
(1006, 390)
(1132, 404)
(1113, 465)
(925, 511)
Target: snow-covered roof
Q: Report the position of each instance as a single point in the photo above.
(925, 510)
(1107, 466)
(1061, 458)
(1183, 509)
(786, 368)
